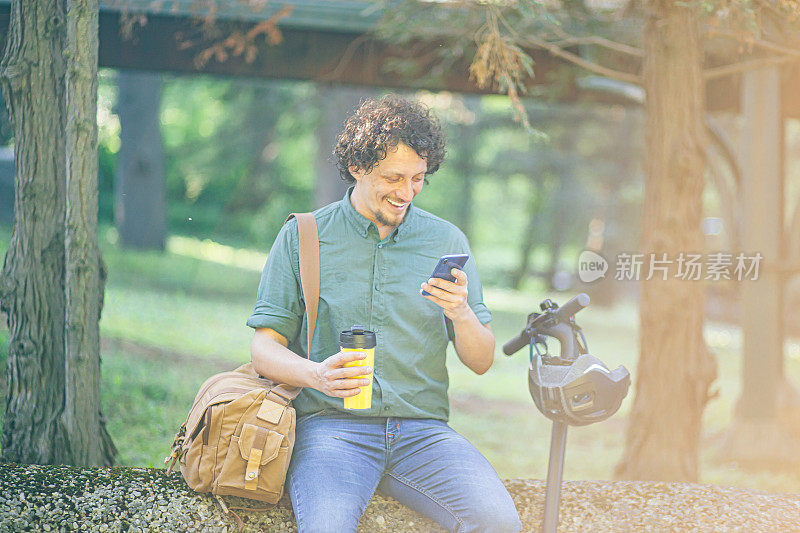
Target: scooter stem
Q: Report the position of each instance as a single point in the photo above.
(555, 472)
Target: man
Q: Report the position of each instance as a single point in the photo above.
(376, 253)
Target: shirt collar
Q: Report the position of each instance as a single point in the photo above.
(408, 221)
(359, 221)
(362, 223)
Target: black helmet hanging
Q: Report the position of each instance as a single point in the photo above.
(581, 393)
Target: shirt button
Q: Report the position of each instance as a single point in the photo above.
(378, 288)
(380, 245)
(385, 407)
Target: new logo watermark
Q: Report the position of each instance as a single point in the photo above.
(715, 266)
(591, 266)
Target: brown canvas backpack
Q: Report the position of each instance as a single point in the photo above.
(239, 434)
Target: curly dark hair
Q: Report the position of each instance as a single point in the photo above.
(380, 125)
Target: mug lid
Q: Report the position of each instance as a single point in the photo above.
(357, 337)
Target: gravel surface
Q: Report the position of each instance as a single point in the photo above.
(654, 506)
(63, 498)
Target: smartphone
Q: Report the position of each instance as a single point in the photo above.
(445, 265)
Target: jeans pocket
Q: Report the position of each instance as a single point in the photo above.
(303, 418)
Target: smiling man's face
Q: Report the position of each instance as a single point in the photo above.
(383, 194)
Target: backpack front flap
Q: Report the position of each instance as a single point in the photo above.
(258, 453)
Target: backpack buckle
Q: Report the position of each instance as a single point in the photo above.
(270, 411)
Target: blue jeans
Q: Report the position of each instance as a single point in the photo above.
(339, 461)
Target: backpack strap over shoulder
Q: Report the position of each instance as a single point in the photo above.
(308, 236)
(309, 266)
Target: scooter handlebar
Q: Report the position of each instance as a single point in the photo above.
(515, 344)
(563, 314)
(572, 306)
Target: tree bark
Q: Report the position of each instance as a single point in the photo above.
(139, 184)
(47, 397)
(89, 442)
(674, 369)
(32, 282)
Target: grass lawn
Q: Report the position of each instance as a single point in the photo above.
(171, 320)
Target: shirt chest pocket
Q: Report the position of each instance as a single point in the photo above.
(345, 273)
(403, 287)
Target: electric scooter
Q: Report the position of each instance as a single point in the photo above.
(572, 388)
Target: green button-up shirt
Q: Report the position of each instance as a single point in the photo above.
(376, 283)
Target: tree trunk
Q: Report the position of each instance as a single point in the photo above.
(41, 83)
(467, 138)
(32, 282)
(532, 233)
(83, 421)
(139, 183)
(337, 104)
(674, 370)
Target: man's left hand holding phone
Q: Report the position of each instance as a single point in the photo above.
(447, 286)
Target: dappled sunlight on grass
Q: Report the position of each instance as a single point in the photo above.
(186, 324)
(208, 250)
(188, 273)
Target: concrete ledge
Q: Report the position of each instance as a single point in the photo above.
(62, 498)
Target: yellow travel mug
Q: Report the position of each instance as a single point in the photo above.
(359, 339)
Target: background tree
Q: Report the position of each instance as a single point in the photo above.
(336, 104)
(658, 45)
(675, 369)
(51, 280)
(237, 156)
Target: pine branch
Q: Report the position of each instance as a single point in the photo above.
(602, 42)
(557, 51)
(745, 66)
(502, 63)
(760, 43)
(572, 40)
(557, 48)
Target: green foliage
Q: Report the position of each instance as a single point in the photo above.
(225, 154)
(241, 154)
(108, 131)
(236, 152)
(583, 167)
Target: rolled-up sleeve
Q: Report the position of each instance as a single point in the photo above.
(279, 304)
(474, 287)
